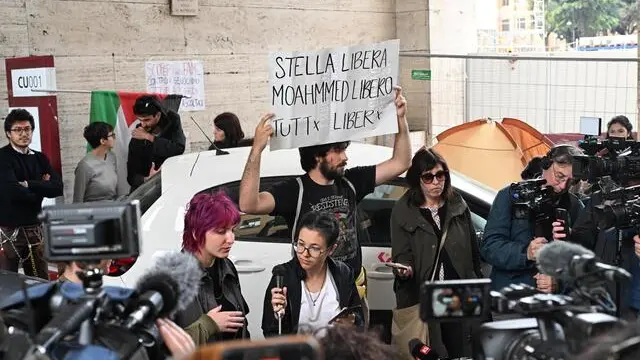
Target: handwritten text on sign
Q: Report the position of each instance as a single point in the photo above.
(178, 77)
(337, 94)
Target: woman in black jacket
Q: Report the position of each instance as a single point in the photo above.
(219, 310)
(315, 288)
(433, 236)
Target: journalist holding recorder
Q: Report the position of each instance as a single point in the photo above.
(315, 290)
(432, 238)
(509, 244)
(219, 309)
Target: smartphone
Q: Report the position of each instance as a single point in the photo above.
(345, 312)
(396, 266)
(563, 216)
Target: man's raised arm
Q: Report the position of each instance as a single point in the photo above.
(401, 159)
(252, 201)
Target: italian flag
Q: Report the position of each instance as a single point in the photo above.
(116, 108)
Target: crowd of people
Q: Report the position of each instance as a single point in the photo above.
(324, 283)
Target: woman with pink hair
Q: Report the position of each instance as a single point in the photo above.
(219, 310)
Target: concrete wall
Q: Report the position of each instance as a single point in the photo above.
(104, 44)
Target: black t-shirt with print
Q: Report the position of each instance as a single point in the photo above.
(337, 198)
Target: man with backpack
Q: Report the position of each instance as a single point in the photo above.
(325, 186)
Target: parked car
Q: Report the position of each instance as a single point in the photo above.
(263, 241)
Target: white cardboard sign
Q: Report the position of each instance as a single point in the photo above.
(339, 94)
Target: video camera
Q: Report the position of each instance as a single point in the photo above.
(549, 325)
(620, 208)
(621, 161)
(534, 201)
(85, 234)
(545, 326)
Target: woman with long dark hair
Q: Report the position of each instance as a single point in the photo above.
(433, 237)
(227, 131)
(315, 288)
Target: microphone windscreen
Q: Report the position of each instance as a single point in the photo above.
(185, 270)
(164, 284)
(554, 259)
(278, 270)
(421, 351)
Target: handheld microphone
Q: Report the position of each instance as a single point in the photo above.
(278, 272)
(421, 351)
(566, 261)
(168, 287)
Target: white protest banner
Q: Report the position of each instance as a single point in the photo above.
(178, 77)
(338, 94)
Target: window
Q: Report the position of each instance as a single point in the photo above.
(147, 193)
(263, 228)
(505, 25)
(522, 23)
(374, 213)
(505, 2)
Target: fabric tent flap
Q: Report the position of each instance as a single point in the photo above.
(531, 141)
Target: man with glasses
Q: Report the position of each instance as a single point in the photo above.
(509, 244)
(26, 177)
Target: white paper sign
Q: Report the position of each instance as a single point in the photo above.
(178, 77)
(344, 93)
(25, 80)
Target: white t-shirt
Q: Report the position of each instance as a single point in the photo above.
(316, 309)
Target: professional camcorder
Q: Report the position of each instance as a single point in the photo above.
(63, 318)
(621, 160)
(534, 201)
(620, 208)
(545, 326)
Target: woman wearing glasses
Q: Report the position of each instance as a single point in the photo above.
(432, 238)
(96, 178)
(315, 288)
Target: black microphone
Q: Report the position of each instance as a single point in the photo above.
(566, 261)
(278, 272)
(421, 351)
(168, 287)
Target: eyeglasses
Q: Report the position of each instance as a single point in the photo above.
(428, 177)
(112, 135)
(313, 250)
(560, 177)
(26, 130)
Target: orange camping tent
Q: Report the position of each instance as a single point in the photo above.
(532, 142)
(487, 152)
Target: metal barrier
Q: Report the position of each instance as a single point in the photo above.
(549, 91)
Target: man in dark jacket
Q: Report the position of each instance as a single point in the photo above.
(509, 244)
(26, 178)
(158, 137)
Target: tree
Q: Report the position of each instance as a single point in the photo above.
(629, 16)
(572, 19)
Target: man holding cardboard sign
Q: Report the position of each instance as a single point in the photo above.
(326, 185)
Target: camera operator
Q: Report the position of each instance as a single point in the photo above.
(509, 244)
(620, 126)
